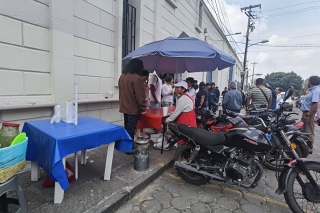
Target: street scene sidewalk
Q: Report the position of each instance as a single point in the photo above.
(90, 193)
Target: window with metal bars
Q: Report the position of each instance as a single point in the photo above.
(128, 28)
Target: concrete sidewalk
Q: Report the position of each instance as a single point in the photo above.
(90, 193)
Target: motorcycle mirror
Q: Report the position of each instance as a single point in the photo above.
(288, 93)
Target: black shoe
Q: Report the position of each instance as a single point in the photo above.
(129, 153)
(172, 142)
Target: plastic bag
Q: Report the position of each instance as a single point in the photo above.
(57, 114)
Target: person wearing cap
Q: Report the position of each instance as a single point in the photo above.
(192, 91)
(184, 112)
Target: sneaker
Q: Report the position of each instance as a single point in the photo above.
(150, 131)
(165, 146)
(143, 135)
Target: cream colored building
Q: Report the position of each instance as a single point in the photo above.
(46, 45)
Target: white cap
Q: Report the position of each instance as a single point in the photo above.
(181, 84)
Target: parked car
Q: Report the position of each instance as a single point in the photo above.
(300, 101)
(288, 105)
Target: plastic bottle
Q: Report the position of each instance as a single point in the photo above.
(7, 133)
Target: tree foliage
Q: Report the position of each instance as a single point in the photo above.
(284, 80)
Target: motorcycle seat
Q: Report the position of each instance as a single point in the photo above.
(201, 136)
(260, 127)
(245, 117)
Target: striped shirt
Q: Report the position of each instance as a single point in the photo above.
(257, 97)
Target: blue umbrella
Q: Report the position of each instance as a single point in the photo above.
(177, 55)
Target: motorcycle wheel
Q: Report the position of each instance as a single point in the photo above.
(303, 147)
(274, 160)
(182, 155)
(299, 198)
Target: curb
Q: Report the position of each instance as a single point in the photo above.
(112, 203)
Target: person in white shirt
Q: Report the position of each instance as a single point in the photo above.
(192, 91)
(278, 91)
(155, 86)
(167, 92)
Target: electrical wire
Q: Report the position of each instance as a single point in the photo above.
(292, 12)
(291, 6)
(292, 36)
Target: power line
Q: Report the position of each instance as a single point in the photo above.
(292, 12)
(211, 5)
(292, 37)
(290, 6)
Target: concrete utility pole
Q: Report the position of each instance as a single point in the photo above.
(250, 27)
(254, 63)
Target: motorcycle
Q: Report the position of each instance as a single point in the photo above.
(229, 120)
(299, 180)
(226, 157)
(298, 102)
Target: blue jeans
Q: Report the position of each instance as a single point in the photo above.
(154, 105)
(130, 123)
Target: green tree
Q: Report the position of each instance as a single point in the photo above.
(284, 80)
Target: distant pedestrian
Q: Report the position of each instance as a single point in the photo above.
(243, 96)
(195, 85)
(309, 106)
(201, 97)
(155, 87)
(224, 92)
(278, 91)
(192, 91)
(167, 92)
(274, 96)
(233, 99)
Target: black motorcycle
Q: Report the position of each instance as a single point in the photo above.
(299, 180)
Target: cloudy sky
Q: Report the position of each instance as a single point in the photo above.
(291, 26)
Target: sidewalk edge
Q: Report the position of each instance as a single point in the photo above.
(112, 204)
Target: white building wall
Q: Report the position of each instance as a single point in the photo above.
(49, 44)
(46, 46)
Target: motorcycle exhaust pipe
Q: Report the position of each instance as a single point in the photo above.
(191, 169)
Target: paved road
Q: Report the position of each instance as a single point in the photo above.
(169, 193)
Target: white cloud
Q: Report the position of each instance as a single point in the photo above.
(276, 40)
(262, 57)
(304, 53)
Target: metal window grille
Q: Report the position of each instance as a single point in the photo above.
(128, 28)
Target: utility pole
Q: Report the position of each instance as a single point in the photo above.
(250, 27)
(254, 63)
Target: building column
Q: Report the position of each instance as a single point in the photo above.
(61, 50)
(118, 41)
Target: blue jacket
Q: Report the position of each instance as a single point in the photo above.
(274, 98)
(232, 100)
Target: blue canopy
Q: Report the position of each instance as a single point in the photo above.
(177, 55)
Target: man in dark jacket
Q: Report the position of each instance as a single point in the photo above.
(274, 96)
(132, 98)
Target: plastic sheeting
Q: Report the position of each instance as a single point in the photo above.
(49, 143)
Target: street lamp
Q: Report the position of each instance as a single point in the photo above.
(233, 34)
(260, 42)
(245, 57)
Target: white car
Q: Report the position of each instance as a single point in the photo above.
(288, 105)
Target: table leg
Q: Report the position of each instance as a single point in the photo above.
(35, 171)
(107, 170)
(76, 165)
(58, 191)
(83, 157)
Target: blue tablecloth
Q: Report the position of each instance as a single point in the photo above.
(49, 143)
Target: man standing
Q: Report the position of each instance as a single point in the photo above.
(258, 96)
(309, 106)
(224, 92)
(274, 96)
(243, 96)
(192, 91)
(232, 99)
(155, 86)
(132, 98)
(278, 91)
